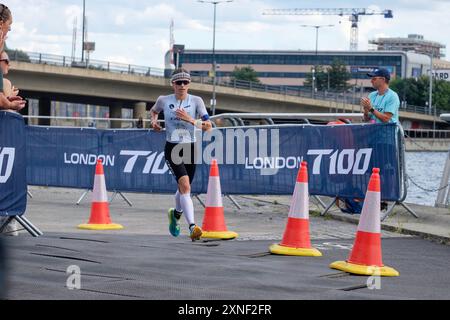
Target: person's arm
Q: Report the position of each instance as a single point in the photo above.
(368, 108)
(154, 113)
(391, 107)
(7, 87)
(11, 103)
(383, 116)
(367, 105)
(203, 123)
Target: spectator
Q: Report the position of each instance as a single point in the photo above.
(381, 106)
(8, 89)
(7, 102)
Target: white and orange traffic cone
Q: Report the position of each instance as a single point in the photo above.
(296, 240)
(365, 258)
(214, 220)
(100, 219)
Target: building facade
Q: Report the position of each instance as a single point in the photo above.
(414, 42)
(291, 68)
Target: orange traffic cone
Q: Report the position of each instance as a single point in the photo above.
(214, 221)
(365, 258)
(100, 219)
(296, 241)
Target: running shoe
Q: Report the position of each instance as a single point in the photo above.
(174, 223)
(196, 233)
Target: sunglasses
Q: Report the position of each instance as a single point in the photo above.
(5, 60)
(180, 82)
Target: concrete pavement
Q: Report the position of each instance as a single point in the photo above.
(432, 223)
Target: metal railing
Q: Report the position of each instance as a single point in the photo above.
(422, 110)
(246, 119)
(427, 134)
(90, 122)
(349, 97)
(63, 61)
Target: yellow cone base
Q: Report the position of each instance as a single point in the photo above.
(224, 235)
(289, 251)
(364, 270)
(111, 226)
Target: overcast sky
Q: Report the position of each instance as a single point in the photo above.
(137, 32)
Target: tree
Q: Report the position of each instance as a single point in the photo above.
(415, 91)
(441, 94)
(335, 77)
(339, 75)
(321, 79)
(245, 73)
(17, 55)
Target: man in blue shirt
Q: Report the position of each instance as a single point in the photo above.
(381, 106)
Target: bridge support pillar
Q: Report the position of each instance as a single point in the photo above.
(139, 110)
(115, 111)
(45, 106)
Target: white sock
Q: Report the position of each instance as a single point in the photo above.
(178, 202)
(188, 207)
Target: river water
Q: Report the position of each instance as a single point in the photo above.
(425, 169)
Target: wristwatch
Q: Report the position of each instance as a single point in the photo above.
(371, 110)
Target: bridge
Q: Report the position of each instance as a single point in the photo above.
(58, 80)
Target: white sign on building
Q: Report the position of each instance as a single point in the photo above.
(443, 74)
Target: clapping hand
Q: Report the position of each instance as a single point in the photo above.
(366, 104)
(17, 103)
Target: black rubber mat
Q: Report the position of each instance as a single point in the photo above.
(166, 268)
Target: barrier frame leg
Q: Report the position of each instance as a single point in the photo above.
(391, 208)
(199, 200)
(82, 196)
(4, 222)
(320, 201)
(24, 222)
(31, 228)
(329, 207)
(123, 197)
(234, 201)
(29, 194)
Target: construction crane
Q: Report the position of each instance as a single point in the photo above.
(353, 13)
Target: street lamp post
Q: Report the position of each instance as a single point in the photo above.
(214, 63)
(83, 31)
(430, 95)
(317, 44)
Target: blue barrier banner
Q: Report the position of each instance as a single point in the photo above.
(53, 155)
(13, 182)
(252, 160)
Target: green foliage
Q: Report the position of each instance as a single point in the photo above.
(245, 73)
(17, 55)
(339, 75)
(335, 77)
(415, 91)
(321, 79)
